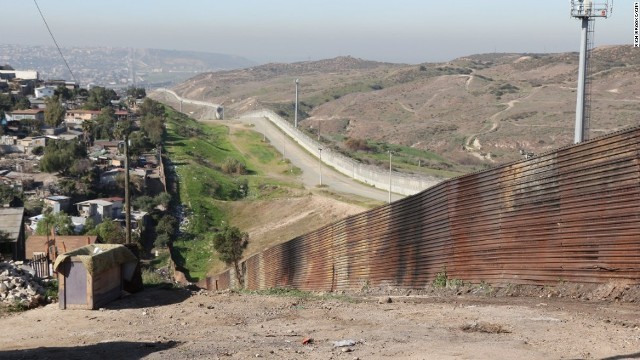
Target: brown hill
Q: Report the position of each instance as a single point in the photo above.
(490, 106)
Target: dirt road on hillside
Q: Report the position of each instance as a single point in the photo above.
(311, 167)
(179, 324)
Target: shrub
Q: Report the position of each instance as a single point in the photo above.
(441, 279)
(162, 240)
(357, 144)
(233, 167)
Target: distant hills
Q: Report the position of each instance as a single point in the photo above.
(486, 108)
(108, 66)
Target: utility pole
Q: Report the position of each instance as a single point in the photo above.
(295, 115)
(389, 176)
(127, 195)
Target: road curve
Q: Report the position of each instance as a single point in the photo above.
(311, 166)
(308, 163)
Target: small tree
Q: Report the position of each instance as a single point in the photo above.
(153, 127)
(136, 93)
(162, 241)
(109, 232)
(167, 226)
(54, 113)
(9, 196)
(230, 243)
(102, 128)
(151, 108)
(163, 199)
(99, 97)
(144, 202)
(60, 155)
(59, 221)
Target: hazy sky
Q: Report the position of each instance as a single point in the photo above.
(409, 31)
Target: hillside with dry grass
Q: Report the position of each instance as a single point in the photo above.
(477, 110)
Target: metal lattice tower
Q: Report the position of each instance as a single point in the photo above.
(587, 81)
(586, 11)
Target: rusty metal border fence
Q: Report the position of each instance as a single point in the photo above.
(568, 215)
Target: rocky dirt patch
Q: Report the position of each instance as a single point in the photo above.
(440, 324)
(18, 286)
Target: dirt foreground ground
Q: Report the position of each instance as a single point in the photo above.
(182, 324)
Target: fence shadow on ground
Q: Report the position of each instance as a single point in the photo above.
(106, 350)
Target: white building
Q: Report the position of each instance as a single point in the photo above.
(19, 74)
(44, 91)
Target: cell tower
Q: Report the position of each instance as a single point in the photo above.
(586, 11)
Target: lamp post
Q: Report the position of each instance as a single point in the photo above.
(295, 115)
(389, 176)
(320, 163)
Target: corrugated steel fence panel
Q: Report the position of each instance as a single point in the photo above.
(569, 215)
(220, 281)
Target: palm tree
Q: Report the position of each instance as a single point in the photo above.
(87, 132)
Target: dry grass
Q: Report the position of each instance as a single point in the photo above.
(402, 104)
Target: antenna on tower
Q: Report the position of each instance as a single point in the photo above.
(586, 11)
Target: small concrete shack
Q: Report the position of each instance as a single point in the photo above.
(93, 275)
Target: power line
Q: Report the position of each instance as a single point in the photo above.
(55, 42)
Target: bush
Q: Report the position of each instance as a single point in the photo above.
(233, 167)
(441, 279)
(162, 240)
(357, 144)
(51, 290)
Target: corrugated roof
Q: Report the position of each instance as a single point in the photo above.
(58, 197)
(11, 222)
(26, 112)
(95, 201)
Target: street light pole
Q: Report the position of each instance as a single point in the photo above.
(320, 164)
(295, 116)
(389, 176)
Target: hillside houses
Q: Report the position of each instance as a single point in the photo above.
(78, 116)
(71, 175)
(34, 115)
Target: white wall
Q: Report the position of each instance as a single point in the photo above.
(404, 184)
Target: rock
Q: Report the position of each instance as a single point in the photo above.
(18, 284)
(385, 300)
